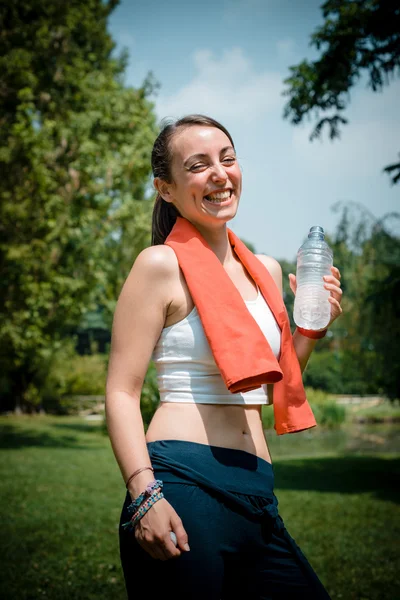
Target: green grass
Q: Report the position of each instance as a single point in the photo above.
(62, 493)
(61, 498)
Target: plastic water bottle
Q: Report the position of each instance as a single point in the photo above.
(312, 310)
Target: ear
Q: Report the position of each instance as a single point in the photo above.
(164, 189)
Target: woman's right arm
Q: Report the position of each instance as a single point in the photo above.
(138, 320)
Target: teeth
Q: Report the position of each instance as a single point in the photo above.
(219, 196)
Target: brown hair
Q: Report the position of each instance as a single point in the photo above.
(165, 213)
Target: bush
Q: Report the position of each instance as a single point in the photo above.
(343, 372)
(329, 415)
(150, 395)
(326, 411)
(69, 375)
(267, 413)
(323, 372)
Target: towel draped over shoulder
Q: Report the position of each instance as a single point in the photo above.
(240, 349)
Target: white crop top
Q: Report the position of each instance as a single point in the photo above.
(186, 369)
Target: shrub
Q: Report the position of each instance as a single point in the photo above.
(323, 372)
(268, 420)
(329, 415)
(326, 411)
(150, 395)
(69, 375)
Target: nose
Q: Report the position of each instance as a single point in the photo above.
(219, 173)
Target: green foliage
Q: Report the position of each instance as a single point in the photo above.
(267, 413)
(71, 380)
(288, 296)
(318, 396)
(367, 333)
(150, 396)
(384, 411)
(323, 372)
(342, 371)
(75, 156)
(327, 412)
(357, 36)
(71, 375)
(330, 414)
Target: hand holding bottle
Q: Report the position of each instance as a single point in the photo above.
(331, 283)
(316, 285)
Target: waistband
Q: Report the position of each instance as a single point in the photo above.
(224, 471)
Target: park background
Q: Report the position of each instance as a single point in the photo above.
(84, 87)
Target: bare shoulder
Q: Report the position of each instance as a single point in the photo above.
(273, 267)
(152, 274)
(157, 260)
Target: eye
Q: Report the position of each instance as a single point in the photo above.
(197, 167)
(229, 160)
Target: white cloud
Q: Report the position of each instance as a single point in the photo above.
(226, 87)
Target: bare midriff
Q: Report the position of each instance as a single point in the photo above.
(228, 426)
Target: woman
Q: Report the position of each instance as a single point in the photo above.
(200, 516)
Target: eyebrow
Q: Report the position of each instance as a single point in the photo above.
(202, 155)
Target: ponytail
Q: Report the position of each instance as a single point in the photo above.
(163, 220)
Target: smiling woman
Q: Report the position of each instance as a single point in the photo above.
(180, 168)
(200, 514)
(202, 182)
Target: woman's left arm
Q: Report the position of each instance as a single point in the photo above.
(302, 344)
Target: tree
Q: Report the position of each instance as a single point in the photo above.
(75, 152)
(358, 36)
(367, 250)
(379, 316)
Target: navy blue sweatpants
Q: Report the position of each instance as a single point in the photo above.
(239, 547)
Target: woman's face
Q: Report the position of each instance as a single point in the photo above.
(207, 180)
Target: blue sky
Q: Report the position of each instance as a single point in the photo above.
(228, 59)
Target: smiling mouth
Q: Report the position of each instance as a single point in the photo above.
(219, 197)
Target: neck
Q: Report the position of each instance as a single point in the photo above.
(218, 241)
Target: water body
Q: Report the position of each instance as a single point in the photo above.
(354, 439)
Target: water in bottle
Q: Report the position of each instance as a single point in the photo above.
(312, 309)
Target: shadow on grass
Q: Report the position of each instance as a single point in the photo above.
(15, 437)
(96, 427)
(342, 474)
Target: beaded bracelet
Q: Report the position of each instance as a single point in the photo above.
(155, 497)
(153, 485)
(142, 510)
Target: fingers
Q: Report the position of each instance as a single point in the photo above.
(159, 548)
(336, 304)
(293, 282)
(332, 279)
(336, 291)
(154, 534)
(171, 548)
(181, 535)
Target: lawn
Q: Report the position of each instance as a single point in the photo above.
(62, 492)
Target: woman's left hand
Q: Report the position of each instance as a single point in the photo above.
(332, 283)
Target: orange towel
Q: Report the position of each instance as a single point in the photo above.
(241, 352)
